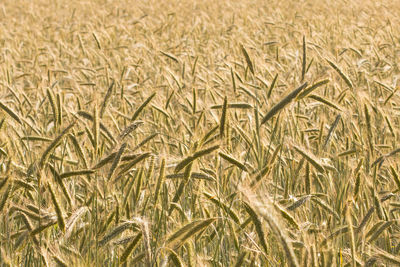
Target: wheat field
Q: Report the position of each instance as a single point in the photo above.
(199, 133)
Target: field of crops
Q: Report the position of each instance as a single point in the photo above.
(199, 133)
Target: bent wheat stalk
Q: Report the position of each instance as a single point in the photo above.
(286, 100)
